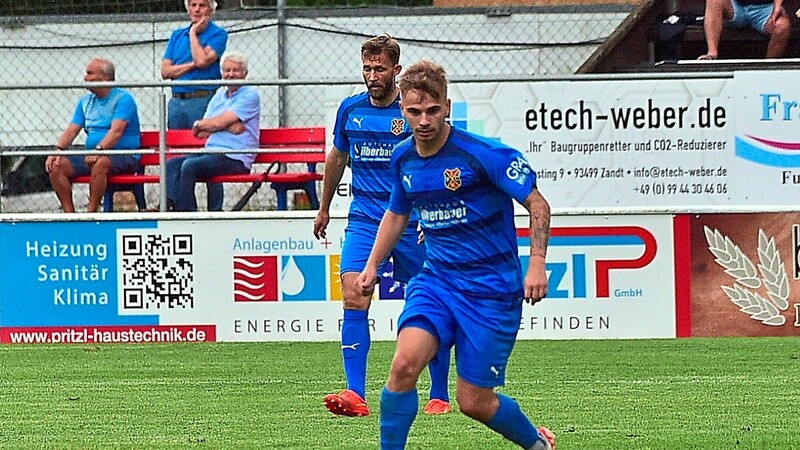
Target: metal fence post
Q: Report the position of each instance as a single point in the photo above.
(281, 10)
(162, 149)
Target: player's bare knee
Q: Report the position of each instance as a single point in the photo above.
(474, 407)
(352, 297)
(405, 369)
(353, 300)
(476, 402)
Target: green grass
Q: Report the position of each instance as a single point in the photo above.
(736, 393)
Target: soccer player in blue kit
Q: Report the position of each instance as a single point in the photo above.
(368, 126)
(470, 291)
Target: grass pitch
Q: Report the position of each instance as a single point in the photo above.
(733, 393)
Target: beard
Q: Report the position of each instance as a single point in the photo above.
(378, 92)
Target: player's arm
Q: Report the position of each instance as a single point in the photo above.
(335, 164)
(390, 231)
(536, 278)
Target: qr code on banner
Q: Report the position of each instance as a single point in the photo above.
(157, 271)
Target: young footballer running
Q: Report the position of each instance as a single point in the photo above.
(470, 291)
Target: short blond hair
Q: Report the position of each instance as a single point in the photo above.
(425, 76)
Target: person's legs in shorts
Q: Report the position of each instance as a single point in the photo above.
(718, 14)
(124, 164)
(487, 331)
(779, 30)
(99, 167)
(426, 326)
(356, 339)
(408, 257)
(66, 167)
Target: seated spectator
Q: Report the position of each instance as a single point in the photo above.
(111, 120)
(230, 123)
(765, 16)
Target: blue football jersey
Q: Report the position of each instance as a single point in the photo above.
(463, 196)
(369, 134)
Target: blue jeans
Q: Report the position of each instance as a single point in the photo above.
(181, 116)
(182, 113)
(183, 172)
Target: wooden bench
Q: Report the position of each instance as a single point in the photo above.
(279, 147)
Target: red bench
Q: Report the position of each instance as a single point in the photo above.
(284, 146)
(279, 147)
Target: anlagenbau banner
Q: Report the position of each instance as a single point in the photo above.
(268, 279)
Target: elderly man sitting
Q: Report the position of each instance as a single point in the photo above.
(231, 122)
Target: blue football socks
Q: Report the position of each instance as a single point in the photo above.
(513, 424)
(355, 349)
(440, 369)
(398, 411)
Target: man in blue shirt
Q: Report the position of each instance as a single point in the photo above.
(231, 122)
(111, 120)
(368, 126)
(193, 54)
(470, 291)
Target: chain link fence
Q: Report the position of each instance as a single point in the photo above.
(297, 56)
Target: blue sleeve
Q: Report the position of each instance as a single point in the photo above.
(126, 109)
(509, 170)
(399, 201)
(247, 106)
(78, 117)
(340, 140)
(218, 41)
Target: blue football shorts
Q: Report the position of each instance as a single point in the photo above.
(754, 16)
(407, 257)
(483, 331)
(119, 164)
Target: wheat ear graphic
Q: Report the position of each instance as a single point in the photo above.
(736, 264)
(772, 271)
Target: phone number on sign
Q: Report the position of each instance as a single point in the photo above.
(682, 189)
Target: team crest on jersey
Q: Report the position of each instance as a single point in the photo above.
(452, 178)
(398, 125)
